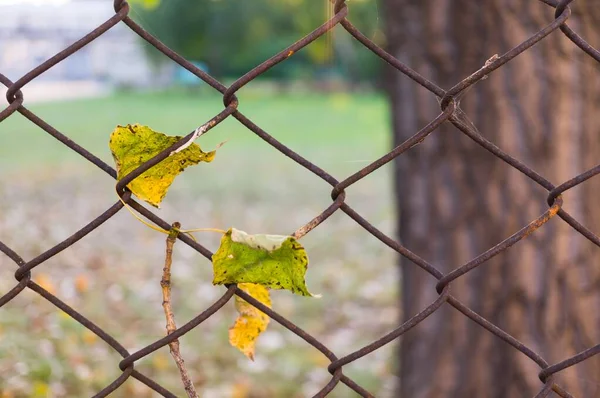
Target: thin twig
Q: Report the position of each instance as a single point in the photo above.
(165, 283)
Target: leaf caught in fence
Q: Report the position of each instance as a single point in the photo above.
(251, 321)
(275, 261)
(132, 145)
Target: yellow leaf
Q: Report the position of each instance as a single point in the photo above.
(241, 389)
(89, 337)
(133, 145)
(160, 361)
(40, 389)
(319, 359)
(45, 282)
(81, 283)
(64, 315)
(251, 322)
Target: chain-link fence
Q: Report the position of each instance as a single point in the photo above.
(450, 113)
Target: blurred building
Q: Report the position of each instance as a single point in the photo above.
(33, 31)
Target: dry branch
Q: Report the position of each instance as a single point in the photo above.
(165, 283)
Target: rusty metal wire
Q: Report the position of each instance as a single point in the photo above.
(449, 113)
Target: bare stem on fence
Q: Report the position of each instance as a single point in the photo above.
(165, 283)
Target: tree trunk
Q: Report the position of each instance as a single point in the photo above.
(456, 200)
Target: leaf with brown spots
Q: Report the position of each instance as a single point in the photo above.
(275, 261)
(133, 145)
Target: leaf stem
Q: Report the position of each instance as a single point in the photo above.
(154, 227)
(221, 231)
(159, 229)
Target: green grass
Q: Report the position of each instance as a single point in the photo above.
(344, 127)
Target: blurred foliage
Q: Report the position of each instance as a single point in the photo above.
(233, 36)
(148, 4)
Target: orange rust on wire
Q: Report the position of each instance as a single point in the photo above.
(538, 222)
(450, 112)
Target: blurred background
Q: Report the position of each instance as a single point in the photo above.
(324, 102)
(447, 199)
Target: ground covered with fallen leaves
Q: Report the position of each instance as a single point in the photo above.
(112, 276)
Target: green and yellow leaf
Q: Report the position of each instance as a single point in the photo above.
(132, 145)
(274, 261)
(251, 322)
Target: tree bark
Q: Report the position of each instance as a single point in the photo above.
(455, 199)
